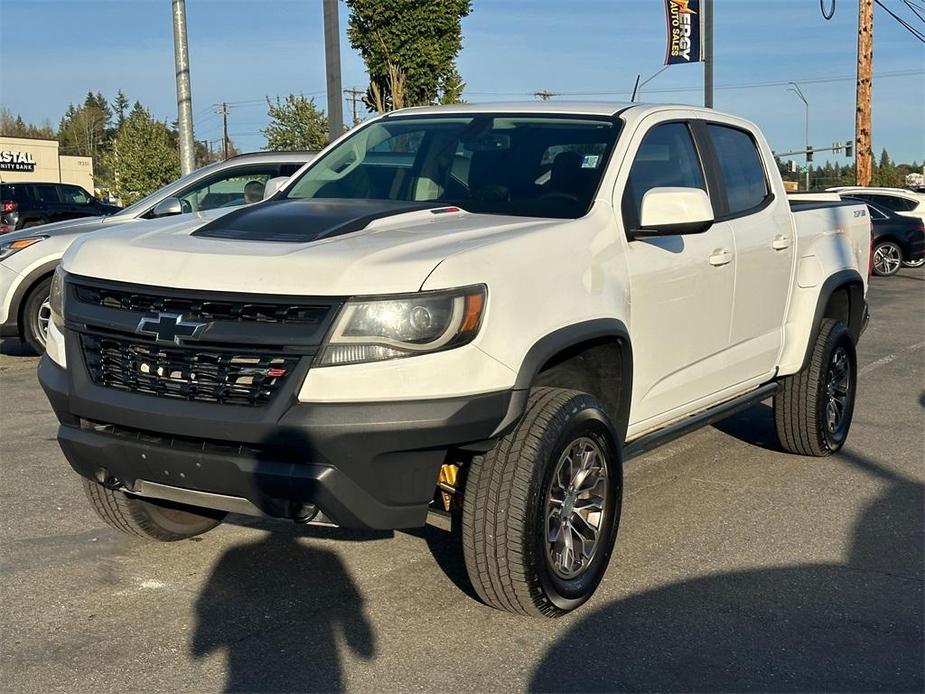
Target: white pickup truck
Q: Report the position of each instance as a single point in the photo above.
(479, 311)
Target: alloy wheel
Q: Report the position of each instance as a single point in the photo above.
(887, 258)
(837, 387)
(576, 508)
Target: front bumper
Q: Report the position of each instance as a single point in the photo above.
(362, 465)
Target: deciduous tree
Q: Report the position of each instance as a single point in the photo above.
(296, 124)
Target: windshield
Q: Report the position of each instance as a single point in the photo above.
(531, 166)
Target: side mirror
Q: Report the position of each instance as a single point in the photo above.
(167, 207)
(274, 185)
(673, 211)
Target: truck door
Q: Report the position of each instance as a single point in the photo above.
(681, 287)
(763, 234)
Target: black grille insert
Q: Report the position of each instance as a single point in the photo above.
(204, 309)
(186, 373)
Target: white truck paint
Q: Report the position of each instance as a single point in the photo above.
(717, 302)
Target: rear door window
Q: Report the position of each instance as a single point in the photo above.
(894, 202)
(667, 157)
(46, 193)
(740, 168)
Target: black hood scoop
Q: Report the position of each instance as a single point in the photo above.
(303, 221)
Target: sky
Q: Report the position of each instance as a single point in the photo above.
(241, 51)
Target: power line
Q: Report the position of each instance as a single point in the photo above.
(917, 33)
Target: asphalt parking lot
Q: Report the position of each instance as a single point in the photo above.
(737, 568)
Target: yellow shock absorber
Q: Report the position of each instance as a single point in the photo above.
(446, 482)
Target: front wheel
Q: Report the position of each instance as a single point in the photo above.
(914, 263)
(887, 258)
(151, 520)
(541, 509)
(35, 316)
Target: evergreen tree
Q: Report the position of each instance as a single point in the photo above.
(410, 49)
(144, 156)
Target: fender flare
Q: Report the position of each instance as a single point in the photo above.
(24, 288)
(560, 340)
(857, 307)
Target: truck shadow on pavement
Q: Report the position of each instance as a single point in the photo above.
(854, 626)
(282, 610)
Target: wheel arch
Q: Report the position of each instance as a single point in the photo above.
(18, 304)
(841, 297)
(594, 356)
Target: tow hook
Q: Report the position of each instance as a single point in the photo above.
(108, 480)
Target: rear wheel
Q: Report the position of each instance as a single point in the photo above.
(35, 316)
(887, 258)
(34, 223)
(152, 520)
(541, 509)
(914, 263)
(813, 409)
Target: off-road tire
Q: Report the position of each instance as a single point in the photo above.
(504, 507)
(800, 404)
(31, 325)
(150, 520)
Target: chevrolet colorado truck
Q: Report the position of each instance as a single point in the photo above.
(471, 313)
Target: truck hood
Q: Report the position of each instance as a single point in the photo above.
(297, 247)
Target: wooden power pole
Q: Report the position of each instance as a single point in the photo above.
(863, 150)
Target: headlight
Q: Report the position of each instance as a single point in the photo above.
(10, 247)
(56, 298)
(403, 326)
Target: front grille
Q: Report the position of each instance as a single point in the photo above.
(186, 373)
(204, 309)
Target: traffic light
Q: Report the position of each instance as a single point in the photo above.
(849, 148)
(809, 154)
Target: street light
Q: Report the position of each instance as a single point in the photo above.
(799, 92)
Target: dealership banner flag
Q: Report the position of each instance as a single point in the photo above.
(684, 33)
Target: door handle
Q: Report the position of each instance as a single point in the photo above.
(780, 242)
(721, 256)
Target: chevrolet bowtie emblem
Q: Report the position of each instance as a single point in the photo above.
(170, 328)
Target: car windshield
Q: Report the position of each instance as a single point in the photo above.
(533, 166)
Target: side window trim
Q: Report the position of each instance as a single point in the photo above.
(717, 172)
(711, 191)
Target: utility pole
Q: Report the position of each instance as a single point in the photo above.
(545, 94)
(706, 9)
(862, 127)
(223, 112)
(799, 92)
(184, 94)
(332, 68)
(354, 95)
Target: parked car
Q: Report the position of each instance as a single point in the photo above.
(473, 313)
(901, 201)
(28, 258)
(898, 239)
(27, 205)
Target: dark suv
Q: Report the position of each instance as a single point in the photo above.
(24, 205)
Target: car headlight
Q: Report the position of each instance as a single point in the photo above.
(10, 247)
(56, 298)
(403, 326)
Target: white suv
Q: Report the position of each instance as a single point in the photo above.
(29, 257)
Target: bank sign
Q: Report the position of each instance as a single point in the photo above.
(16, 161)
(683, 18)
